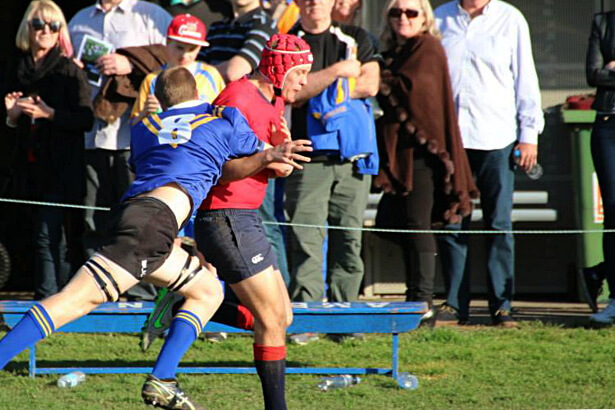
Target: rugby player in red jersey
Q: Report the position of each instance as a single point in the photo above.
(228, 228)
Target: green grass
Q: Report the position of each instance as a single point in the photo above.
(535, 367)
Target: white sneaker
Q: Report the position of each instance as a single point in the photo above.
(606, 316)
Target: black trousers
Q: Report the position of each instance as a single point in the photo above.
(414, 212)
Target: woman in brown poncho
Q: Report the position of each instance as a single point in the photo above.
(424, 172)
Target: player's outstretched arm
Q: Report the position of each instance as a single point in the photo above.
(286, 154)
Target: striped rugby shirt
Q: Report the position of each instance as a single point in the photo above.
(245, 36)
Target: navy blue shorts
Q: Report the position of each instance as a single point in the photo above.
(234, 241)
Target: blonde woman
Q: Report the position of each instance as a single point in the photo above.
(424, 171)
(48, 109)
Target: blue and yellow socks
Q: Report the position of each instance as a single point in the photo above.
(270, 363)
(184, 330)
(34, 326)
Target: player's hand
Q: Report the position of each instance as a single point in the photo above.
(279, 136)
(36, 108)
(348, 68)
(114, 64)
(151, 104)
(529, 155)
(287, 152)
(610, 65)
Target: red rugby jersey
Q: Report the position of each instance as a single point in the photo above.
(247, 193)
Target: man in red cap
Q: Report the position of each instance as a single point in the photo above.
(185, 37)
(228, 228)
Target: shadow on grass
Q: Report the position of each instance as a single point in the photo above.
(560, 316)
(22, 367)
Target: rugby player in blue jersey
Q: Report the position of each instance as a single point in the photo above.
(176, 156)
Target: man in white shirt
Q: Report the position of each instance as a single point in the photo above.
(122, 23)
(498, 103)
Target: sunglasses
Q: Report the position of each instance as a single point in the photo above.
(397, 12)
(39, 24)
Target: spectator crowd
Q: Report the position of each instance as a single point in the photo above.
(435, 111)
(404, 112)
(414, 153)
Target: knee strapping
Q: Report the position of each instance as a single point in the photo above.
(185, 275)
(97, 270)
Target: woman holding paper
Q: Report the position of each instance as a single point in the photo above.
(47, 100)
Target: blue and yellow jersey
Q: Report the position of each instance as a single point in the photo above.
(187, 145)
(209, 83)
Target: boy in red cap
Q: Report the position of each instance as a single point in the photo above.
(185, 37)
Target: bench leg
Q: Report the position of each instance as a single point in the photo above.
(395, 356)
(32, 361)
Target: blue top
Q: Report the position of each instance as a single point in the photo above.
(338, 124)
(187, 145)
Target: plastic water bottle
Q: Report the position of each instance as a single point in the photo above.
(338, 382)
(71, 379)
(407, 381)
(533, 173)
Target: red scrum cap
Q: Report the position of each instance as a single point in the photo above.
(282, 54)
(186, 28)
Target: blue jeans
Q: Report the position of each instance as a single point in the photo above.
(51, 264)
(603, 155)
(495, 180)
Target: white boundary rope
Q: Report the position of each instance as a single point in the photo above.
(450, 231)
(295, 225)
(25, 202)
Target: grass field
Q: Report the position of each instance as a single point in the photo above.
(535, 367)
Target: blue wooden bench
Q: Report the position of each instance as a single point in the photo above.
(359, 317)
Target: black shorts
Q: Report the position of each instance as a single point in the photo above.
(234, 241)
(141, 232)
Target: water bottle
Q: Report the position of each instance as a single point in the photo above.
(407, 381)
(71, 379)
(338, 382)
(533, 173)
